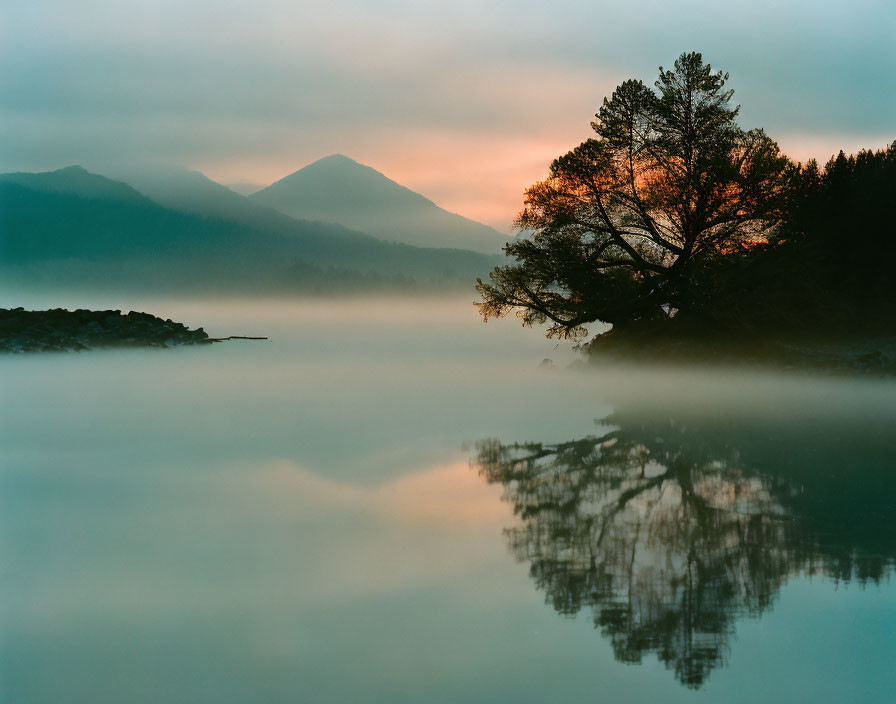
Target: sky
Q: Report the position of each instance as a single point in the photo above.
(465, 102)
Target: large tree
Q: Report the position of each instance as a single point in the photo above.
(626, 222)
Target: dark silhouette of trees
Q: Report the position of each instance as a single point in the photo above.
(831, 261)
(627, 221)
(670, 530)
(675, 224)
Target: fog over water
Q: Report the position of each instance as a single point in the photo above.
(309, 518)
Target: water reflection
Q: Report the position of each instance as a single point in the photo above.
(670, 529)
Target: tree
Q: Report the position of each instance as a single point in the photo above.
(627, 221)
(827, 269)
(839, 231)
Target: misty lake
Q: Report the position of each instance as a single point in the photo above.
(392, 502)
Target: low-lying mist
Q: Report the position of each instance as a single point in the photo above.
(358, 376)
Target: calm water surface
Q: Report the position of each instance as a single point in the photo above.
(390, 502)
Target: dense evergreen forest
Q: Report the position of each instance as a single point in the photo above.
(830, 262)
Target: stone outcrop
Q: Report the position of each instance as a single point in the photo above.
(61, 330)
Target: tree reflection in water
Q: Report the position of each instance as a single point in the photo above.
(670, 531)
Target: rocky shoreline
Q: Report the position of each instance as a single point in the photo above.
(61, 330)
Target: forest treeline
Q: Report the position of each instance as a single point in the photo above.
(828, 265)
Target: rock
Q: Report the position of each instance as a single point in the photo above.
(62, 330)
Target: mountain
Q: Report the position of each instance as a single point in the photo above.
(194, 193)
(72, 213)
(73, 223)
(340, 190)
(244, 188)
(186, 191)
(74, 180)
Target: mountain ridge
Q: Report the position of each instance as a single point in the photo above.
(73, 223)
(192, 192)
(76, 180)
(339, 189)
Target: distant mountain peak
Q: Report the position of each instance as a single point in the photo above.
(338, 163)
(73, 169)
(340, 190)
(336, 158)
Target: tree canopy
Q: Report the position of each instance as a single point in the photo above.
(626, 221)
(827, 269)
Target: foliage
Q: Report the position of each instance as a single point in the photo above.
(828, 264)
(627, 221)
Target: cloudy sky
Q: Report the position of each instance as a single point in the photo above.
(466, 102)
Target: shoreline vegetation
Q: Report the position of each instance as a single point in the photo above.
(854, 354)
(698, 241)
(817, 294)
(61, 330)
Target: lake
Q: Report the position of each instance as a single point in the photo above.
(389, 501)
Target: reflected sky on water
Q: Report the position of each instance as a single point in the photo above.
(299, 520)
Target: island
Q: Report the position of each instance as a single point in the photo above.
(61, 330)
